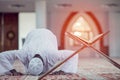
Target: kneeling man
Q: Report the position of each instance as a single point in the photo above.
(38, 54)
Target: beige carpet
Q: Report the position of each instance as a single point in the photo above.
(89, 69)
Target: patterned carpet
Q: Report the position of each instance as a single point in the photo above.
(89, 69)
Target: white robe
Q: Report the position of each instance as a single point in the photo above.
(43, 42)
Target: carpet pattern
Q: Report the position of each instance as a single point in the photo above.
(89, 69)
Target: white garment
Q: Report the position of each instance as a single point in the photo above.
(35, 66)
(43, 42)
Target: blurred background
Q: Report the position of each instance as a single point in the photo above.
(84, 18)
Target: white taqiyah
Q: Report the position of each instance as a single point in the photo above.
(35, 66)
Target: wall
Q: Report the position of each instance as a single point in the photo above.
(56, 21)
(27, 22)
(114, 23)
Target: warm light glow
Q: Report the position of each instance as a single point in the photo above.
(81, 25)
(81, 28)
(77, 33)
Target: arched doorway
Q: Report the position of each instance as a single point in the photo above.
(81, 24)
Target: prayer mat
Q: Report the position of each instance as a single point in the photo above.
(63, 77)
(107, 76)
(48, 77)
(88, 69)
(111, 76)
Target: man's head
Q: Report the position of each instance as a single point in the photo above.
(35, 66)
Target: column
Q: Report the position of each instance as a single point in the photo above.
(114, 21)
(41, 14)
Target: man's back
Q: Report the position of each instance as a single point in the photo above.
(40, 39)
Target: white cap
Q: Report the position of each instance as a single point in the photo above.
(35, 66)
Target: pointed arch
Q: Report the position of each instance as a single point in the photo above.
(70, 18)
(64, 28)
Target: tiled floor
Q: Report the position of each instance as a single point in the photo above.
(89, 69)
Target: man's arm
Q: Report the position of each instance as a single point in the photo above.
(7, 60)
(71, 65)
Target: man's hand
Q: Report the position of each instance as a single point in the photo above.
(60, 73)
(13, 72)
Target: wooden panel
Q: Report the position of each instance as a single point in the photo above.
(0, 31)
(10, 31)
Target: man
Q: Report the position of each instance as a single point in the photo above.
(38, 54)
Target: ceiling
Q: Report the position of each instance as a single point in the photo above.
(61, 5)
